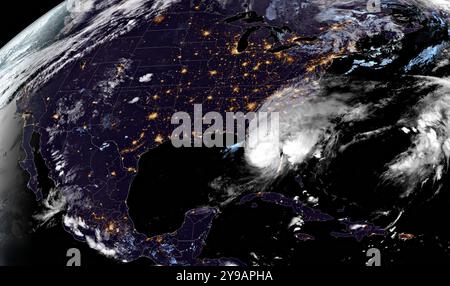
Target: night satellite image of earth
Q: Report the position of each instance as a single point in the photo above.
(88, 100)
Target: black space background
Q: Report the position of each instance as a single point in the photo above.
(44, 251)
(47, 246)
(17, 15)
